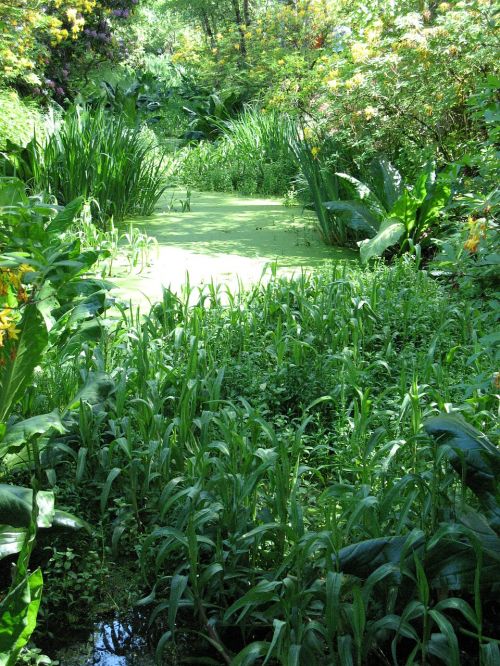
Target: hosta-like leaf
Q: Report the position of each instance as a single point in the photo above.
(386, 182)
(16, 506)
(472, 456)
(11, 540)
(360, 218)
(22, 431)
(98, 388)
(389, 234)
(361, 559)
(65, 216)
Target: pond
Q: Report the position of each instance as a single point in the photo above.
(112, 642)
(228, 239)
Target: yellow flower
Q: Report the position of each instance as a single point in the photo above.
(236, 46)
(315, 151)
(360, 52)
(281, 61)
(357, 80)
(471, 244)
(13, 332)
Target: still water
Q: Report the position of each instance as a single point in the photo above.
(111, 643)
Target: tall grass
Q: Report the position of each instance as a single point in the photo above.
(95, 154)
(318, 183)
(247, 449)
(252, 156)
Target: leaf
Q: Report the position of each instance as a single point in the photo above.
(434, 203)
(16, 375)
(107, 486)
(96, 390)
(18, 613)
(11, 540)
(405, 210)
(386, 182)
(472, 456)
(16, 506)
(260, 593)
(177, 587)
(66, 216)
(70, 521)
(250, 654)
(360, 216)
(389, 234)
(12, 192)
(361, 559)
(23, 431)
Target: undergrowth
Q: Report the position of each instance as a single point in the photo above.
(262, 456)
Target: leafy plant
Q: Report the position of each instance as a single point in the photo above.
(391, 214)
(99, 157)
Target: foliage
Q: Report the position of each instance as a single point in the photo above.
(44, 46)
(274, 493)
(98, 156)
(19, 607)
(18, 119)
(382, 79)
(251, 156)
(390, 213)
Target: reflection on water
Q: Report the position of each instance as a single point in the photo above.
(112, 643)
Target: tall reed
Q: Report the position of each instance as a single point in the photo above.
(95, 154)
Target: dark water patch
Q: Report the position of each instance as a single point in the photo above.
(112, 642)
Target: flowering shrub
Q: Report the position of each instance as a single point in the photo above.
(382, 81)
(42, 46)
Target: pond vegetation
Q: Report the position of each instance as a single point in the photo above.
(248, 333)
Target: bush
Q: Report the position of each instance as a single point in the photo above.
(18, 118)
(253, 156)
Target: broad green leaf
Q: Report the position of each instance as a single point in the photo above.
(11, 540)
(363, 558)
(23, 431)
(405, 210)
(433, 204)
(389, 234)
(12, 192)
(386, 182)
(65, 216)
(360, 216)
(96, 390)
(472, 456)
(16, 506)
(70, 521)
(18, 612)
(17, 374)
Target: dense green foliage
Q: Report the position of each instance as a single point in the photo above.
(96, 155)
(302, 472)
